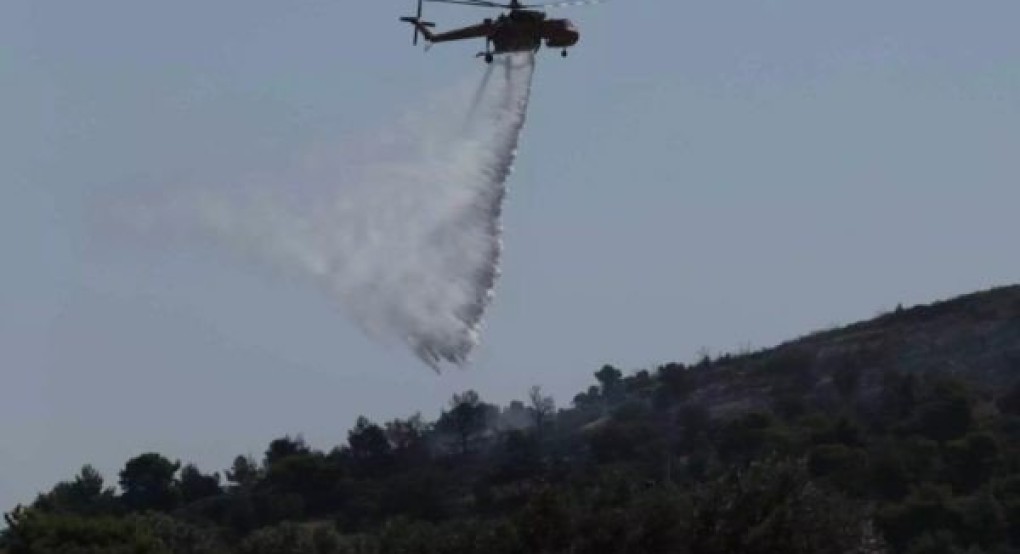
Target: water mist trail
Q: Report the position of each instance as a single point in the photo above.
(402, 228)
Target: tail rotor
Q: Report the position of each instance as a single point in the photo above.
(417, 23)
(417, 18)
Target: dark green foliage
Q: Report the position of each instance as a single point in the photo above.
(518, 457)
(693, 423)
(370, 450)
(840, 464)
(195, 486)
(940, 542)
(422, 494)
(790, 369)
(408, 440)
(148, 482)
(945, 412)
(1007, 492)
(971, 461)
(789, 406)
(928, 510)
(467, 418)
(983, 521)
(822, 445)
(750, 436)
(33, 532)
(1009, 401)
(546, 524)
(842, 430)
(291, 538)
(889, 477)
(661, 520)
(85, 495)
(283, 448)
(638, 465)
(468, 536)
(774, 507)
(676, 379)
(302, 484)
(244, 473)
(179, 537)
(846, 378)
(589, 400)
(615, 441)
(610, 384)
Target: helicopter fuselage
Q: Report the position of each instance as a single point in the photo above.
(519, 30)
(524, 30)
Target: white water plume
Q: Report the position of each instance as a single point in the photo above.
(402, 228)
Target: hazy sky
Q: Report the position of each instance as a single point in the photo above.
(695, 175)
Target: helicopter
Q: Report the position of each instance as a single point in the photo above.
(521, 30)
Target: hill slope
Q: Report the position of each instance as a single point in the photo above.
(975, 337)
(897, 434)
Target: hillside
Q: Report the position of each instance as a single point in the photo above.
(975, 337)
(899, 434)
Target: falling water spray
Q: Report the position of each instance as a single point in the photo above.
(402, 228)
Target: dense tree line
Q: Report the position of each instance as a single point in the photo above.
(781, 451)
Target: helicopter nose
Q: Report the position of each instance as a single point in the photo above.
(563, 38)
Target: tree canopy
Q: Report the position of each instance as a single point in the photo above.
(831, 444)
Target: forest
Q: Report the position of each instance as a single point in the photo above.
(900, 434)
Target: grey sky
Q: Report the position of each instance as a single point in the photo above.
(695, 175)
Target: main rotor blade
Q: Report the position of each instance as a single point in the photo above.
(563, 4)
(475, 3)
